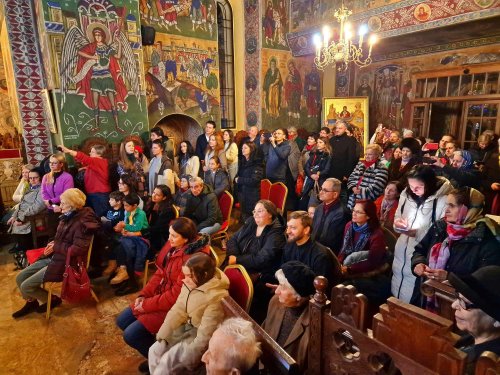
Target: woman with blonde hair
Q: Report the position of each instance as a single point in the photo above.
(74, 233)
(231, 151)
(215, 148)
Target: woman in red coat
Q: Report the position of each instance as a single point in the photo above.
(141, 321)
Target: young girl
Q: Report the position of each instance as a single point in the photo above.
(216, 177)
(188, 326)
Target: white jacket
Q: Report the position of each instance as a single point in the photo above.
(419, 218)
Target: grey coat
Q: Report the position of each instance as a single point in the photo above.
(31, 204)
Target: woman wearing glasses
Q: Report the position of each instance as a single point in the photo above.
(477, 312)
(257, 246)
(462, 242)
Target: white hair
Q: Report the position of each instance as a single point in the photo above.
(196, 180)
(244, 349)
(283, 281)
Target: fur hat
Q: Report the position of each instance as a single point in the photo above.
(300, 277)
(412, 144)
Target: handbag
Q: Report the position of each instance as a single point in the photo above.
(316, 189)
(299, 185)
(76, 282)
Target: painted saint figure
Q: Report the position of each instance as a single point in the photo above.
(293, 91)
(273, 84)
(99, 77)
(312, 87)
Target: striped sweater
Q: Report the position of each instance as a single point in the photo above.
(372, 184)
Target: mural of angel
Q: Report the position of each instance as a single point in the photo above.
(98, 64)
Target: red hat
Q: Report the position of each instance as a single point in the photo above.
(138, 149)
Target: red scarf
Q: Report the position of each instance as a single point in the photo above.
(309, 147)
(367, 165)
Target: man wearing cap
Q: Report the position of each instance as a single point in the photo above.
(477, 312)
(287, 320)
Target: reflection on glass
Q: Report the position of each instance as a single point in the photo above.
(490, 110)
(492, 83)
(419, 90)
(442, 86)
(418, 112)
(454, 85)
(478, 84)
(474, 110)
(472, 130)
(431, 87)
(465, 87)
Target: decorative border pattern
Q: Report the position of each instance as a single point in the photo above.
(28, 77)
(253, 114)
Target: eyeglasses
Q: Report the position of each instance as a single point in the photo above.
(358, 212)
(465, 305)
(327, 191)
(34, 178)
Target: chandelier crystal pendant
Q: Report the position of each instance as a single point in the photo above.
(344, 50)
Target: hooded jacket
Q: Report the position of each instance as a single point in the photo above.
(74, 234)
(203, 209)
(201, 308)
(162, 290)
(420, 218)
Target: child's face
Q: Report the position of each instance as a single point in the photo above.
(129, 207)
(212, 165)
(189, 278)
(184, 184)
(113, 202)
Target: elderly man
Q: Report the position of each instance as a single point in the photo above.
(233, 348)
(294, 136)
(202, 207)
(301, 247)
(330, 216)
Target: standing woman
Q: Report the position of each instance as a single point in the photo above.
(421, 204)
(308, 149)
(250, 173)
(160, 213)
(215, 148)
(231, 149)
(54, 183)
(187, 161)
(316, 170)
(131, 165)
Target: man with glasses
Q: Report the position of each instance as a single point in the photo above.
(330, 216)
(301, 247)
(31, 204)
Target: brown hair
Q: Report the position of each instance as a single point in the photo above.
(269, 206)
(219, 144)
(186, 228)
(304, 217)
(370, 211)
(202, 267)
(328, 147)
(127, 164)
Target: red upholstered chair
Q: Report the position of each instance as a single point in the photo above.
(241, 286)
(278, 194)
(226, 201)
(265, 188)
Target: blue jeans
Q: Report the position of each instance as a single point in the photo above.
(134, 333)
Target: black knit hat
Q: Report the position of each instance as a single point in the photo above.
(412, 144)
(300, 277)
(481, 288)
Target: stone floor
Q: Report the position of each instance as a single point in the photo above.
(78, 339)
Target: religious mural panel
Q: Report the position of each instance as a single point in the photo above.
(190, 18)
(291, 91)
(182, 76)
(304, 13)
(99, 89)
(275, 24)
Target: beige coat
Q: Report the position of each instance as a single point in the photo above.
(297, 342)
(201, 308)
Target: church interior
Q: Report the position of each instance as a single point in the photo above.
(431, 67)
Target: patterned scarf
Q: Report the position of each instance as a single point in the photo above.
(349, 246)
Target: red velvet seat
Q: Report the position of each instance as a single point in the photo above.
(265, 188)
(241, 286)
(278, 194)
(226, 201)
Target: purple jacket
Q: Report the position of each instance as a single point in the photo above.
(53, 191)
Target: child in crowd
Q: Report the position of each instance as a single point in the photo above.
(133, 248)
(190, 323)
(216, 177)
(96, 179)
(180, 198)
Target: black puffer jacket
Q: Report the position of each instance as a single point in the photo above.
(479, 249)
(250, 173)
(258, 254)
(204, 209)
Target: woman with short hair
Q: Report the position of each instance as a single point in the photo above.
(74, 234)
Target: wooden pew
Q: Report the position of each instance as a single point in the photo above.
(404, 338)
(274, 358)
(445, 296)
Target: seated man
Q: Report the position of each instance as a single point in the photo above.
(330, 216)
(233, 348)
(31, 204)
(202, 207)
(301, 247)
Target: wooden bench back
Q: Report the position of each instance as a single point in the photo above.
(274, 358)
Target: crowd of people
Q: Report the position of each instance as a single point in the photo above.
(343, 205)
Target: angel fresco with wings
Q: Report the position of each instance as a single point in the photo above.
(97, 64)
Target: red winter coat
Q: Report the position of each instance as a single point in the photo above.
(161, 292)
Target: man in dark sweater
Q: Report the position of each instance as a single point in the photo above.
(301, 247)
(202, 140)
(277, 159)
(330, 216)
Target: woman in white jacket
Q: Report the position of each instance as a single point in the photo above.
(421, 204)
(231, 150)
(187, 161)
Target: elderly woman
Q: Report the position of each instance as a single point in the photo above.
(410, 156)
(484, 148)
(74, 233)
(460, 172)
(369, 177)
(141, 321)
(287, 320)
(250, 173)
(421, 204)
(477, 312)
(257, 246)
(31, 204)
(462, 242)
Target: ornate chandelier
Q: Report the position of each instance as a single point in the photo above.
(344, 50)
